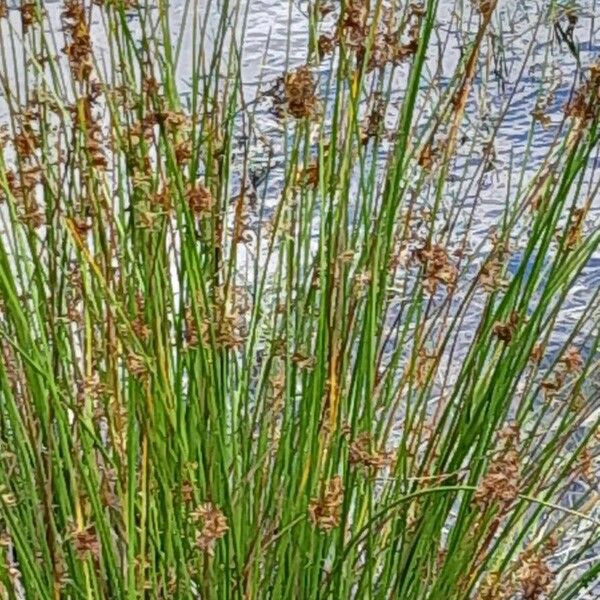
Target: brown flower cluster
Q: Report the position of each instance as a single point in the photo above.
(569, 364)
(325, 512)
(535, 576)
(363, 452)
(429, 155)
(179, 126)
(585, 103)
(136, 366)
(213, 526)
(29, 15)
(11, 365)
(231, 330)
(393, 42)
(22, 185)
(575, 230)
(537, 353)
(299, 93)
(23, 190)
(396, 44)
(190, 331)
(571, 361)
(86, 118)
(505, 330)
(143, 129)
(374, 124)
(491, 272)
(308, 176)
(139, 325)
(276, 393)
(227, 317)
(176, 125)
(438, 269)
(90, 387)
(326, 45)
(494, 587)
(585, 466)
(231, 324)
(355, 24)
(500, 486)
(86, 543)
(79, 46)
(199, 199)
(425, 364)
(491, 275)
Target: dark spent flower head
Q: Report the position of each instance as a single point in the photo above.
(213, 526)
(324, 512)
(299, 88)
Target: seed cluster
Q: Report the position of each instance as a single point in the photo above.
(585, 104)
(363, 452)
(501, 485)
(437, 266)
(535, 576)
(213, 526)
(295, 94)
(393, 41)
(325, 512)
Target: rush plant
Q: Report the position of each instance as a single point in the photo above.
(257, 341)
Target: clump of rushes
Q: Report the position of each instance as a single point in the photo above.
(248, 358)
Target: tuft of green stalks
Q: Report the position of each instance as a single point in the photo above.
(254, 343)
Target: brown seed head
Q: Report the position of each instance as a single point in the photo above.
(326, 45)
(86, 543)
(501, 485)
(585, 103)
(199, 199)
(29, 15)
(363, 452)
(494, 587)
(213, 526)
(534, 576)
(299, 88)
(437, 267)
(324, 512)
(571, 360)
(505, 330)
(79, 45)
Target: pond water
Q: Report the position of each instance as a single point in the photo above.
(526, 59)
